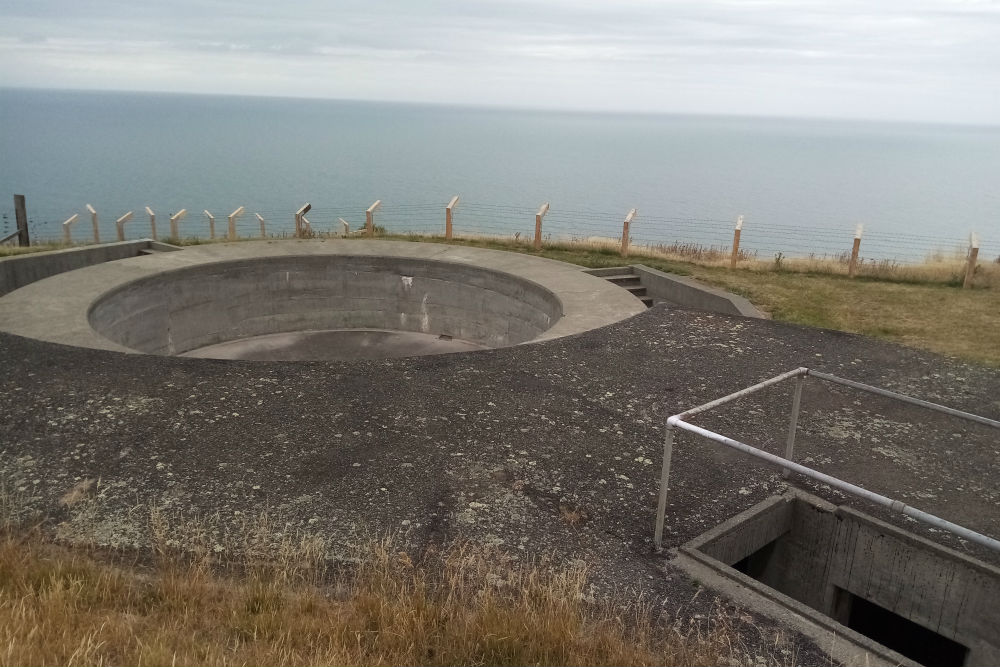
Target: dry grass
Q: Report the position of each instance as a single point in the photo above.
(284, 606)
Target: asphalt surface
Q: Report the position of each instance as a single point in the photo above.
(549, 448)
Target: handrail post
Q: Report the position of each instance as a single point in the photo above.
(542, 210)
(232, 223)
(661, 505)
(67, 233)
(370, 218)
(179, 215)
(625, 230)
(736, 242)
(970, 268)
(93, 221)
(448, 217)
(152, 222)
(120, 224)
(793, 423)
(852, 267)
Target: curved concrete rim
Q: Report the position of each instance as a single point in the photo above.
(56, 309)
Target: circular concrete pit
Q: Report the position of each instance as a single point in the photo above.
(315, 300)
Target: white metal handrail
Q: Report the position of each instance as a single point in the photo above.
(679, 421)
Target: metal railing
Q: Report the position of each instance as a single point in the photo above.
(788, 466)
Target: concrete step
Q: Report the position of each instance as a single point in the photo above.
(610, 271)
(647, 300)
(624, 280)
(149, 251)
(638, 290)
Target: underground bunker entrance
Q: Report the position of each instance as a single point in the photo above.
(892, 594)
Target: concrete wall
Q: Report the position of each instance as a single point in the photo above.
(822, 549)
(20, 270)
(186, 309)
(692, 294)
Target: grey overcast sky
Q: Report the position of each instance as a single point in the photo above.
(924, 60)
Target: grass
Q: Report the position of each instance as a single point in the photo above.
(920, 305)
(284, 605)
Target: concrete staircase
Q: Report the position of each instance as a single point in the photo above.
(626, 278)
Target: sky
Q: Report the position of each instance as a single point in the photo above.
(915, 60)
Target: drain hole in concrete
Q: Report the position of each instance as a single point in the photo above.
(900, 634)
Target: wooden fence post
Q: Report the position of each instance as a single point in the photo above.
(211, 224)
(542, 210)
(736, 242)
(120, 224)
(152, 222)
(852, 267)
(298, 218)
(625, 228)
(232, 222)
(93, 221)
(21, 215)
(263, 231)
(179, 215)
(370, 218)
(970, 268)
(67, 233)
(448, 217)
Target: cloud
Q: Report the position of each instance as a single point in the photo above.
(924, 60)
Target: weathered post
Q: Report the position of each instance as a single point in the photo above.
(174, 219)
(853, 266)
(542, 210)
(93, 221)
(298, 218)
(67, 233)
(345, 227)
(21, 215)
(120, 224)
(152, 222)
(448, 217)
(736, 242)
(625, 231)
(211, 224)
(970, 268)
(263, 231)
(370, 218)
(232, 222)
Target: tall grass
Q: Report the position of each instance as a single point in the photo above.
(287, 604)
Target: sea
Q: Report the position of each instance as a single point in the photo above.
(802, 186)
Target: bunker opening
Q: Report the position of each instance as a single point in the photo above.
(863, 578)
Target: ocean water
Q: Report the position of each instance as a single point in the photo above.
(801, 185)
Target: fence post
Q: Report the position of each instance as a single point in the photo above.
(152, 221)
(542, 210)
(211, 224)
(625, 228)
(370, 218)
(67, 234)
(736, 242)
(852, 267)
(263, 231)
(93, 220)
(448, 217)
(345, 228)
(298, 218)
(307, 228)
(179, 215)
(21, 215)
(232, 222)
(970, 269)
(120, 224)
